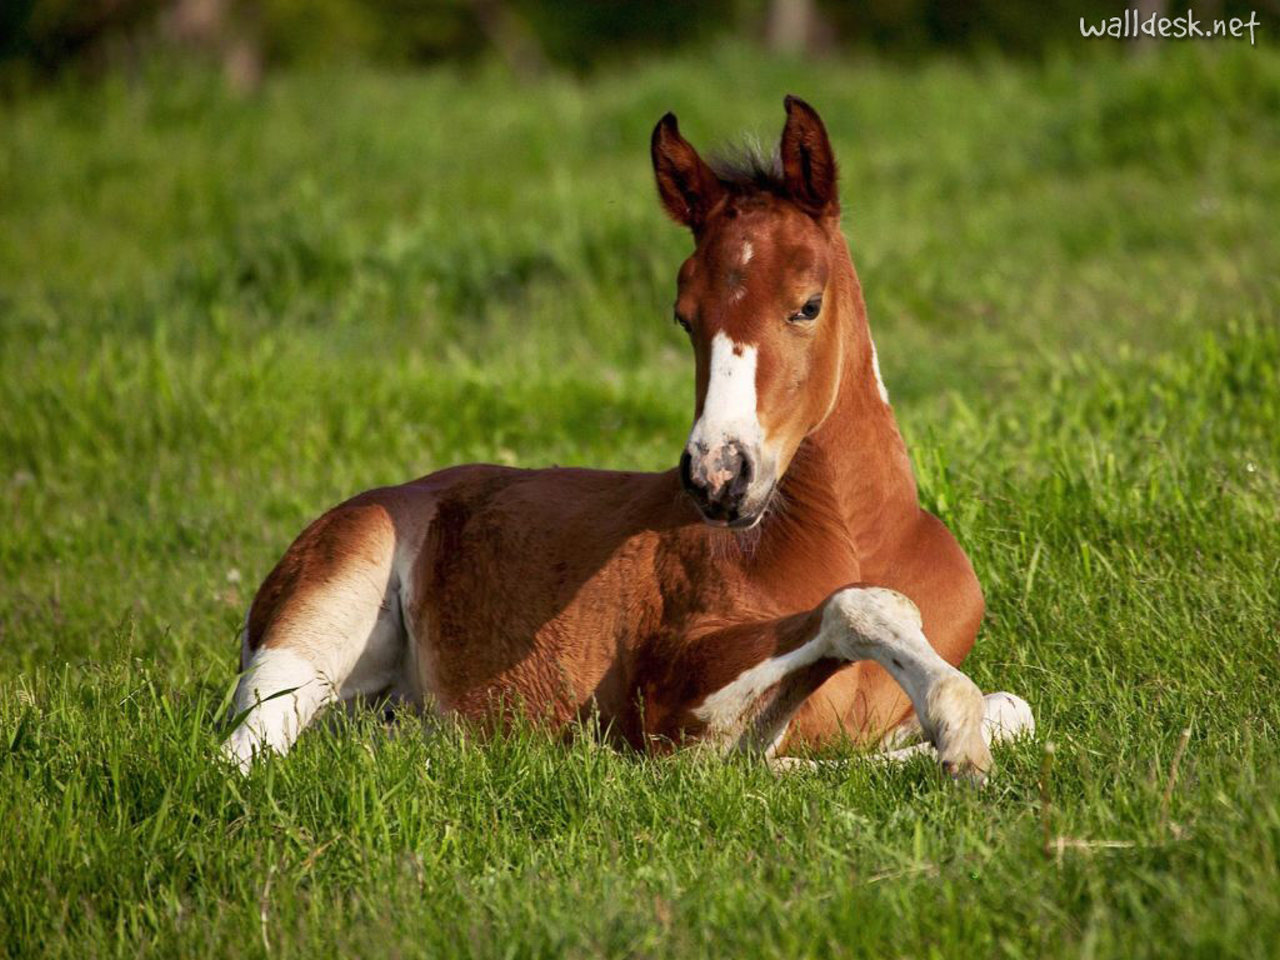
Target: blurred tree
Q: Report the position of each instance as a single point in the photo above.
(229, 32)
(583, 33)
(791, 26)
(510, 35)
(381, 31)
(45, 34)
(38, 37)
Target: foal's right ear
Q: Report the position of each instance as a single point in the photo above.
(808, 163)
(688, 187)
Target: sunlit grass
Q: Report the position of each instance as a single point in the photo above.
(218, 317)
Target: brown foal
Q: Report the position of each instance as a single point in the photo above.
(781, 588)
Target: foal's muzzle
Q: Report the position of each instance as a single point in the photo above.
(720, 481)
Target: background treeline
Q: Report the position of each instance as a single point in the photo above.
(42, 38)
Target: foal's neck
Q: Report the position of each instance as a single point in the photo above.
(853, 470)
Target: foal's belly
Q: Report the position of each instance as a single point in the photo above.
(529, 588)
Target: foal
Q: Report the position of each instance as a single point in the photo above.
(781, 588)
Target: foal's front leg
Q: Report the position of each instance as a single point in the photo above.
(754, 676)
(878, 624)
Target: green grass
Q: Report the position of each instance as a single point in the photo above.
(218, 317)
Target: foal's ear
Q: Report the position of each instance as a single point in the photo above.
(808, 165)
(688, 187)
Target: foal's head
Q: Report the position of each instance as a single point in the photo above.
(755, 298)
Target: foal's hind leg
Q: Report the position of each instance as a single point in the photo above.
(324, 627)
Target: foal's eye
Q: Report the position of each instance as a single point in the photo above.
(682, 323)
(809, 311)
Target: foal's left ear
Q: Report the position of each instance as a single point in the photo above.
(808, 165)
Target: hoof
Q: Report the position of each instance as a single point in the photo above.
(956, 709)
(1007, 718)
(784, 765)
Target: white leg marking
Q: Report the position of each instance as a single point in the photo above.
(1005, 717)
(877, 624)
(275, 717)
(727, 711)
(872, 623)
(906, 733)
(782, 765)
(903, 754)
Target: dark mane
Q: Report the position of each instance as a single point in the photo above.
(745, 168)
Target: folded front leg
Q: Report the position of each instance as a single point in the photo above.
(874, 623)
(1005, 717)
(731, 687)
(737, 687)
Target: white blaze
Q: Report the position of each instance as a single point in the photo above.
(748, 252)
(729, 410)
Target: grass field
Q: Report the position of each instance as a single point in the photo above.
(218, 317)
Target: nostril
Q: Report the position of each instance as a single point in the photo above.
(686, 471)
(744, 472)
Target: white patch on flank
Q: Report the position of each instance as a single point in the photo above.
(275, 718)
(748, 252)
(729, 410)
(875, 365)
